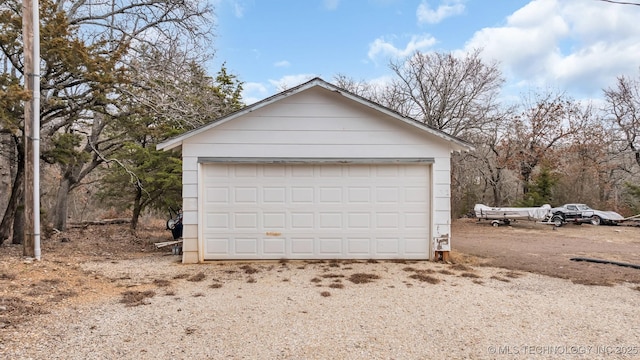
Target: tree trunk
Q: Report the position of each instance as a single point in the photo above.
(60, 209)
(19, 225)
(497, 197)
(17, 192)
(137, 208)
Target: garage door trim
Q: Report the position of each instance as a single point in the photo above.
(294, 161)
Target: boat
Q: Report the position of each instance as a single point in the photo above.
(506, 215)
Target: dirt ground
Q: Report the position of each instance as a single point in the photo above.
(544, 249)
(29, 288)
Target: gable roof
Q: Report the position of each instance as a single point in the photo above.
(176, 141)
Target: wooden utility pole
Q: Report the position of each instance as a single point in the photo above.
(31, 71)
(27, 39)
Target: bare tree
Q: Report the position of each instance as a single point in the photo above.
(490, 159)
(623, 107)
(451, 94)
(546, 122)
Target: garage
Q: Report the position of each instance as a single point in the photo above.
(315, 172)
(312, 211)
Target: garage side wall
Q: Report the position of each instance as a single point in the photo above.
(319, 124)
(190, 176)
(441, 200)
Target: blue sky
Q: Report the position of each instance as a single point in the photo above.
(577, 46)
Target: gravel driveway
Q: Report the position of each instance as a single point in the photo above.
(160, 309)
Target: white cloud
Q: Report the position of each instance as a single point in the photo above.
(446, 9)
(331, 4)
(383, 48)
(253, 92)
(282, 63)
(238, 9)
(289, 81)
(572, 44)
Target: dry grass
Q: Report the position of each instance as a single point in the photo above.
(197, 277)
(7, 276)
(325, 293)
(251, 280)
(136, 298)
(16, 310)
(332, 276)
(425, 278)
(470, 275)
(181, 276)
(215, 286)
(248, 269)
(161, 282)
(496, 277)
(460, 258)
(446, 272)
(362, 278)
(590, 282)
(460, 267)
(513, 274)
(336, 286)
(316, 280)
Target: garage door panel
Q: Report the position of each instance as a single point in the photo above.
(330, 195)
(414, 246)
(330, 220)
(415, 220)
(387, 195)
(275, 195)
(273, 211)
(275, 246)
(302, 246)
(272, 221)
(391, 170)
(246, 195)
(244, 246)
(217, 195)
(245, 220)
(217, 221)
(246, 171)
(302, 220)
(388, 220)
(218, 246)
(330, 246)
(302, 195)
(359, 195)
(359, 246)
(302, 171)
(274, 171)
(388, 246)
(416, 194)
(331, 171)
(358, 220)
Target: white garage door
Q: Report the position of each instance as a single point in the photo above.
(354, 211)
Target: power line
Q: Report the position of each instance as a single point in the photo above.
(621, 2)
